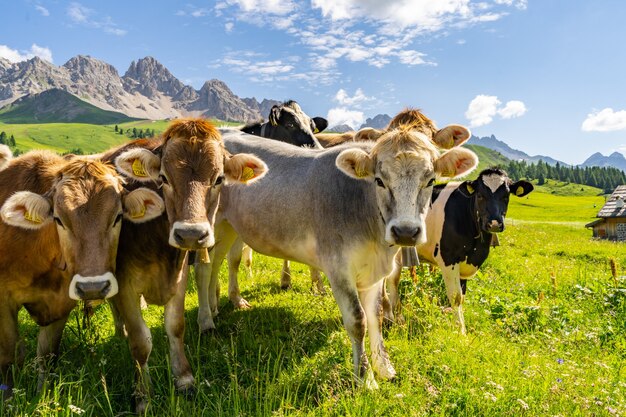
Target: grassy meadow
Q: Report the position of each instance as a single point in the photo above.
(546, 337)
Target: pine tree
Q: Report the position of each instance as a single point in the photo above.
(12, 141)
(3, 138)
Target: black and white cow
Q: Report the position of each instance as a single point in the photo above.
(288, 123)
(460, 227)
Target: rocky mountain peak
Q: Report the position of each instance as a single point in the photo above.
(149, 77)
(82, 67)
(223, 104)
(380, 121)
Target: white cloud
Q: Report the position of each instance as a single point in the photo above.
(520, 4)
(82, 15)
(512, 109)
(482, 109)
(277, 7)
(341, 115)
(229, 26)
(42, 10)
(606, 120)
(413, 58)
(13, 55)
(257, 69)
(344, 99)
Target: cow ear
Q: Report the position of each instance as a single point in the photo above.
(456, 162)
(368, 133)
(245, 168)
(319, 124)
(451, 136)
(521, 188)
(142, 205)
(468, 187)
(5, 156)
(139, 164)
(26, 210)
(356, 163)
(274, 115)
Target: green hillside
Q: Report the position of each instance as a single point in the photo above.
(487, 157)
(57, 106)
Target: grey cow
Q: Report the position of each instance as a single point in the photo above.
(362, 201)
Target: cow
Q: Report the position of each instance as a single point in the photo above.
(188, 166)
(5, 156)
(412, 119)
(59, 233)
(460, 225)
(362, 202)
(288, 123)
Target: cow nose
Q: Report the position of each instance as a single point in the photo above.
(405, 235)
(93, 290)
(192, 236)
(495, 226)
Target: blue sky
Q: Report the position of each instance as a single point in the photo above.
(544, 76)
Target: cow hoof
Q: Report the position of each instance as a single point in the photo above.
(187, 392)
(208, 330)
(370, 382)
(448, 310)
(140, 403)
(242, 304)
(285, 286)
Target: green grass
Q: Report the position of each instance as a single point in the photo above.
(546, 337)
(487, 158)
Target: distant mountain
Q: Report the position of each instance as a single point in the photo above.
(492, 142)
(57, 106)
(147, 90)
(340, 128)
(615, 160)
(379, 121)
(264, 107)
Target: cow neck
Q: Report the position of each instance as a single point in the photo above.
(474, 214)
(265, 128)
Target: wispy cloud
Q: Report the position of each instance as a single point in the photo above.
(605, 120)
(42, 10)
(483, 108)
(14, 55)
(85, 16)
(343, 98)
(343, 116)
(256, 66)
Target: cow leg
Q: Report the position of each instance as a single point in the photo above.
(391, 301)
(207, 277)
(452, 277)
(48, 342)
(175, 329)
(234, 260)
(316, 281)
(354, 321)
(120, 330)
(372, 303)
(246, 254)
(140, 343)
(10, 349)
(285, 276)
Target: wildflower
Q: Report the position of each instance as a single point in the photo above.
(560, 361)
(490, 396)
(559, 380)
(523, 403)
(4, 387)
(75, 409)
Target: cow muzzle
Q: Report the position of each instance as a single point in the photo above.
(405, 235)
(495, 226)
(94, 287)
(191, 236)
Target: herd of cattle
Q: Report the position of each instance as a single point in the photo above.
(124, 224)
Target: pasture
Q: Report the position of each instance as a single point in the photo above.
(546, 336)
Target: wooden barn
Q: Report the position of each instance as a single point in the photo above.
(611, 223)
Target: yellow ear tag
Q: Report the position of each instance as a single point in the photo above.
(32, 218)
(316, 130)
(448, 174)
(247, 174)
(519, 191)
(138, 168)
(139, 214)
(470, 189)
(360, 173)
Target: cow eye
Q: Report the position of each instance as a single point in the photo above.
(219, 180)
(117, 219)
(431, 182)
(59, 222)
(379, 182)
(163, 180)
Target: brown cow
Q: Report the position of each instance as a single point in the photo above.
(58, 241)
(188, 164)
(5, 156)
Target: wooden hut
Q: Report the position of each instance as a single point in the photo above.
(611, 223)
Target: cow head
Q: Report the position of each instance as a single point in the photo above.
(86, 204)
(191, 167)
(399, 160)
(446, 138)
(491, 192)
(288, 123)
